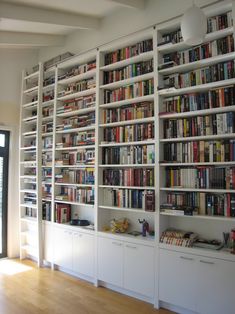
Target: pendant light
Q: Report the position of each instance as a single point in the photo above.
(194, 26)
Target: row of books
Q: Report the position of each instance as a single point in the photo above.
(214, 23)
(220, 123)
(78, 87)
(78, 69)
(178, 237)
(46, 191)
(76, 104)
(200, 151)
(207, 50)
(209, 74)
(29, 198)
(47, 173)
(129, 177)
(49, 80)
(47, 111)
(128, 71)
(62, 213)
(47, 159)
(86, 156)
(202, 203)
(127, 198)
(129, 112)
(138, 89)
(201, 177)
(78, 195)
(48, 95)
(31, 212)
(144, 154)
(79, 139)
(81, 176)
(129, 133)
(47, 127)
(78, 121)
(219, 22)
(215, 98)
(128, 52)
(46, 211)
(47, 142)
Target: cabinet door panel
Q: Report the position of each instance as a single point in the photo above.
(63, 248)
(177, 279)
(139, 269)
(110, 261)
(216, 286)
(48, 243)
(83, 254)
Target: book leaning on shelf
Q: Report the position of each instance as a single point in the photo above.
(62, 213)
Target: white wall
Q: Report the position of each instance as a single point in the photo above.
(123, 22)
(12, 62)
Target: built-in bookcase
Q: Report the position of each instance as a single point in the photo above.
(30, 165)
(127, 112)
(74, 164)
(196, 129)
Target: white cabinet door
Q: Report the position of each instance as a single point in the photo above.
(110, 261)
(63, 247)
(139, 269)
(216, 286)
(177, 279)
(83, 254)
(48, 243)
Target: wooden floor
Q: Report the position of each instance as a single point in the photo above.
(25, 289)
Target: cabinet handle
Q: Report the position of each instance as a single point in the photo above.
(131, 247)
(116, 243)
(187, 258)
(207, 262)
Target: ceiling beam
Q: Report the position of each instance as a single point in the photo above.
(32, 14)
(134, 4)
(29, 39)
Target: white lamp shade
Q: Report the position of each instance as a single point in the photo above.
(194, 26)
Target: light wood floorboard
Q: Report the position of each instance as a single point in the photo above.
(25, 289)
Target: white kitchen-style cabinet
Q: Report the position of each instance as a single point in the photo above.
(83, 254)
(110, 261)
(63, 247)
(47, 242)
(200, 284)
(138, 272)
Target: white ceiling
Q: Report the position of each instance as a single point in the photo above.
(54, 19)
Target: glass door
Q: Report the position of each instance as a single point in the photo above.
(4, 157)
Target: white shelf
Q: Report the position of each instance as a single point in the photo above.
(128, 81)
(127, 187)
(132, 210)
(75, 130)
(78, 94)
(76, 147)
(127, 166)
(28, 205)
(47, 134)
(128, 101)
(197, 113)
(48, 87)
(28, 148)
(32, 75)
(198, 138)
(197, 64)
(145, 56)
(222, 191)
(31, 105)
(32, 90)
(30, 134)
(185, 164)
(218, 218)
(48, 103)
(75, 166)
(73, 203)
(49, 118)
(146, 142)
(28, 191)
(28, 177)
(167, 48)
(127, 122)
(75, 112)
(148, 240)
(75, 184)
(79, 77)
(198, 88)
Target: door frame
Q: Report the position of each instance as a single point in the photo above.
(6, 150)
